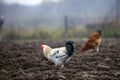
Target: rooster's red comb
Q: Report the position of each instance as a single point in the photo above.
(41, 46)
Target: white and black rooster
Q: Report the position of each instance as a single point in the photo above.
(59, 56)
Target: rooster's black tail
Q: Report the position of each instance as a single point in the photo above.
(69, 48)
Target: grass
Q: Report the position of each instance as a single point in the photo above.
(43, 33)
(40, 33)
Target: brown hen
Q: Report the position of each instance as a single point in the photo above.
(93, 42)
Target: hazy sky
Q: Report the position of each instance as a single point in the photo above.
(27, 2)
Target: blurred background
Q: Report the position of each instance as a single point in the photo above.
(58, 19)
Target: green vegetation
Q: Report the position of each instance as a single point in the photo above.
(110, 29)
(41, 33)
(45, 33)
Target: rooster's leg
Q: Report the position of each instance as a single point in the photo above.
(68, 59)
(56, 65)
(62, 66)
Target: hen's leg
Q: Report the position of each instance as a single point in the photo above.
(97, 48)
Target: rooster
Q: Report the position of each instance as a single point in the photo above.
(93, 42)
(59, 56)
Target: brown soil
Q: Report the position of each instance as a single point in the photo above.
(24, 61)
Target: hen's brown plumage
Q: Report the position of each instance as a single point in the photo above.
(93, 42)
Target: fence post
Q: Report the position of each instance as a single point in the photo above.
(1, 25)
(65, 27)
